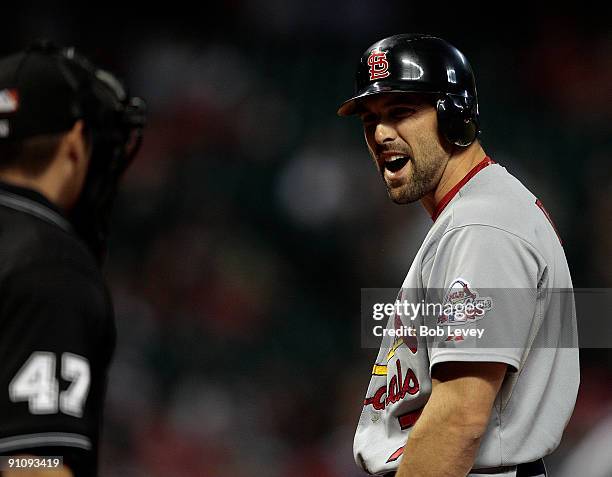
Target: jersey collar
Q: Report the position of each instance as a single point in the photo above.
(487, 161)
(33, 203)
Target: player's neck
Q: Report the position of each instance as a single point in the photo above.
(459, 164)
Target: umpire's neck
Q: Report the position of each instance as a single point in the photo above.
(461, 161)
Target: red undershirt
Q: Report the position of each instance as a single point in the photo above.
(451, 193)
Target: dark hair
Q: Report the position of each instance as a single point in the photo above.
(31, 155)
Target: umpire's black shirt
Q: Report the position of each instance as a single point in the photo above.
(57, 334)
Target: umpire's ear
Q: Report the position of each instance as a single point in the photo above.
(73, 157)
(77, 143)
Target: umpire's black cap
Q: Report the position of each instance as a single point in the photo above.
(36, 95)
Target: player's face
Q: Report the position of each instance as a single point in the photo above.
(401, 131)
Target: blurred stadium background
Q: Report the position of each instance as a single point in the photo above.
(253, 216)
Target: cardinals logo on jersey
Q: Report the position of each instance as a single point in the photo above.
(379, 66)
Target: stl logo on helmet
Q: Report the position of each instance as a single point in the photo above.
(379, 66)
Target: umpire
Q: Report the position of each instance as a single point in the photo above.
(68, 130)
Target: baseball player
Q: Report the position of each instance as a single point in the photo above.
(492, 394)
(67, 132)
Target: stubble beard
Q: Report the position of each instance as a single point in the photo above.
(424, 178)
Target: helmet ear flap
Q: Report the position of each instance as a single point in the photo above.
(458, 119)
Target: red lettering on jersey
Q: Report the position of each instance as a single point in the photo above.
(410, 341)
(394, 391)
(379, 66)
(378, 400)
(455, 338)
(396, 455)
(409, 419)
(410, 385)
(549, 218)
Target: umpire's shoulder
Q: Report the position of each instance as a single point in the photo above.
(26, 240)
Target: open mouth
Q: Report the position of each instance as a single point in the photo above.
(396, 163)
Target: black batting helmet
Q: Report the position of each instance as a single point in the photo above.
(417, 63)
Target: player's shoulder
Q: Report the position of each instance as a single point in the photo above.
(495, 198)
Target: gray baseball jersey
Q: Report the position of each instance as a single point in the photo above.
(492, 245)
